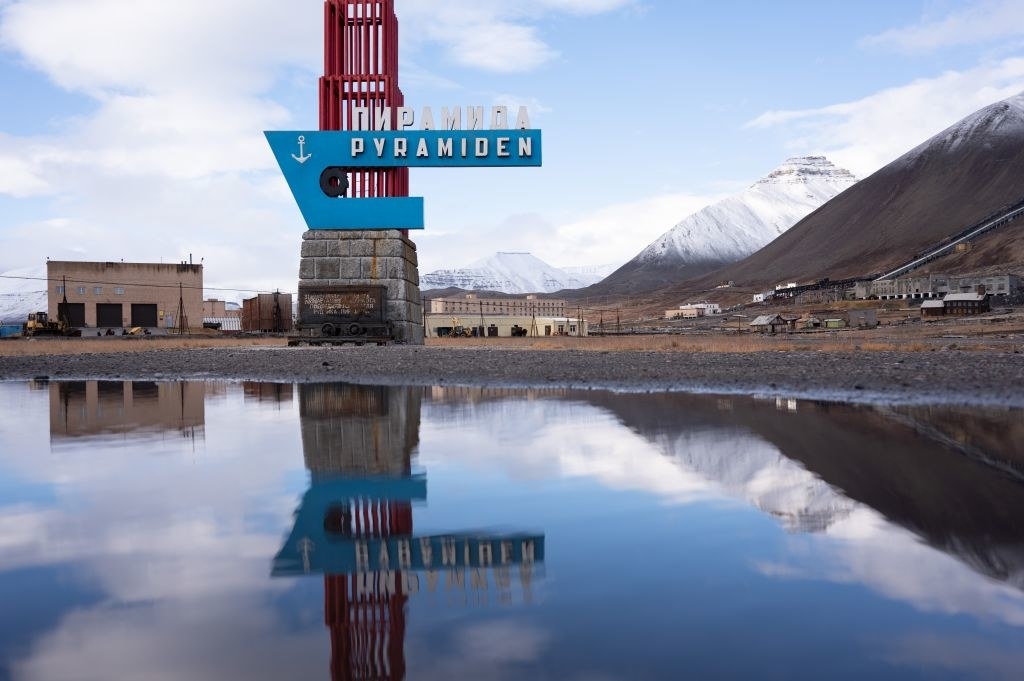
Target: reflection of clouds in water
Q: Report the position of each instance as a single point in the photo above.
(586, 441)
(864, 548)
(853, 542)
(24, 534)
(550, 439)
(177, 535)
(488, 650)
(201, 638)
(501, 641)
(963, 655)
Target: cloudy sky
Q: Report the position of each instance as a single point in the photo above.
(133, 130)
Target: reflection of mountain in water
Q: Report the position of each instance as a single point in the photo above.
(964, 500)
(90, 408)
(951, 476)
(752, 469)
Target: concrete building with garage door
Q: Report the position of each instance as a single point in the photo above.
(119, 295)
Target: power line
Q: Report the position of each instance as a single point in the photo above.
(133, 283)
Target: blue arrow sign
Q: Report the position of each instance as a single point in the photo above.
(405, 149)
(305, 157)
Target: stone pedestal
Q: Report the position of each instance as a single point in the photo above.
(368, 258)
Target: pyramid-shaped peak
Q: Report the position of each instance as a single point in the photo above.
(801, 169)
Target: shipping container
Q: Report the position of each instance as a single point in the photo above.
(268, 312)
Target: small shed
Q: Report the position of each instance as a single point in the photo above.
(771, 323)
(863, 319)
(223, 324)
(835, 323)
(812, 323)
(933, 308)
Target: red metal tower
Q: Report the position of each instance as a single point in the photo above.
(361, 69)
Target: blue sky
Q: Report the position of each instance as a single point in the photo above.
(134, 130)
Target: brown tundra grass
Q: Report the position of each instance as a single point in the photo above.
(917, 339)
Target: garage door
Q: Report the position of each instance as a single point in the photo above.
(108, 314)
(75, 312)
(143, 315)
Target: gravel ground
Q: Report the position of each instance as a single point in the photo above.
(950, 377)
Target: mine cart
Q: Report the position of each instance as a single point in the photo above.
(333, 315)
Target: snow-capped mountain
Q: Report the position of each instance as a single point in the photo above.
(951, 181)
(509, 273)
(736, 226)
(23, 292)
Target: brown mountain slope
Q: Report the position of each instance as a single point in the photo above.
(998, 251)
(953, 180)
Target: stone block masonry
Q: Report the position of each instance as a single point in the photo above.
(368, 258)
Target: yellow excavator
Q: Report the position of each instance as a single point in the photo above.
(460, 331)
(40, 324)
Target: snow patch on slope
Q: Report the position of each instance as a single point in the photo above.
(1002, 119)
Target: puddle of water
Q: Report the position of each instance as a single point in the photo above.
(223, 530)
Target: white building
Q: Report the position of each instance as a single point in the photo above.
(694, 310)
(471, 303)
(503, 325)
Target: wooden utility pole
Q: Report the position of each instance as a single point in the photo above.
(182, 319)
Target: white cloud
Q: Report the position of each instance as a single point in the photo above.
(493, 35)
(97, 46)
(172, 159)
(18, 175)
(980, 23)
(865, 134)
(617, 232)
(608, 235)
(174, 148)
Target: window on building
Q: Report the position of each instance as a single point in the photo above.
(97, 290)
(60, 289)
(81, 290)
(118, 290)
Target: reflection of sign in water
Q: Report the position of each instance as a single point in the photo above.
(355, 526)
(323, 553)
(327, 539)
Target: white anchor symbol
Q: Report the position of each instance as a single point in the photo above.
(306, 545)
(303, 156)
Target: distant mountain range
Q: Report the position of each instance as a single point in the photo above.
(953, 180)
(513, 273)
(733, 228)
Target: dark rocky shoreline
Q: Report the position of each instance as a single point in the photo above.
(952, 377)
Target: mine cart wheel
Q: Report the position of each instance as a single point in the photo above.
(327, 329)
(355, 329)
